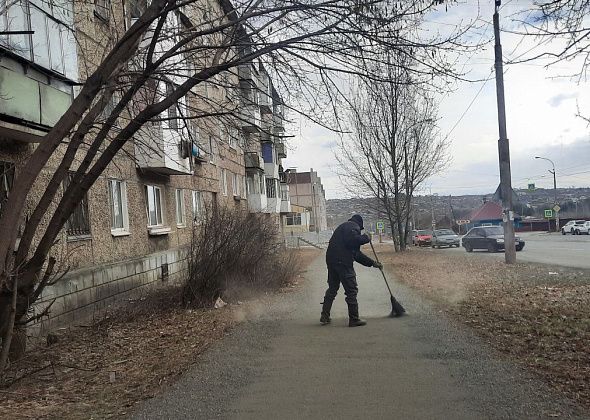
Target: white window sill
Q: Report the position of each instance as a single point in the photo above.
(181, 225)
(158, 230)
(119, 233)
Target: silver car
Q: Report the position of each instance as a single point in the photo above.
(444, 237)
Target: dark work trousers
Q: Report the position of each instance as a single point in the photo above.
(339, 273)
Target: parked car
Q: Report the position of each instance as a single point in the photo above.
(487, 237)
(571, 226)
(583, 228)
(444, 237)
(422, 237)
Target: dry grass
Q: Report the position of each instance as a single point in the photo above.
(103, 370)
(537, 314)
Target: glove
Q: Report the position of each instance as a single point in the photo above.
(378, 265)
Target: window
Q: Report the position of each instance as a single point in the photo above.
(233, 138)
(197, 205)
(294, 219)
(79, 222)
(212, 153)
(180, 218)
(135, 9)
(102, 9)
(6, 181)
(224, 182)
(119, 212)
(284, 194)
(153, 196)
(271, 188)
(251, 184)
(52, 45)
(267, 152)
(261, 179)
(235, 185)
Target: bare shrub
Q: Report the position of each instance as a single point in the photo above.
(234, 252)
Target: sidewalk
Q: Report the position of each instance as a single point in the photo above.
(284, 365)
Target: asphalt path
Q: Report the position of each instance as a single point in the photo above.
(281, 364)
(549, 248)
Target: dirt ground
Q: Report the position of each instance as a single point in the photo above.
(103, 370)
(537, 314)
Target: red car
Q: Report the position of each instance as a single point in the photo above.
(422, 237)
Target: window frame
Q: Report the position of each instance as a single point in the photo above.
(102, 10)
(123, 201)
(271, 187)
(52, 46)
(159, 207)
(197, 205)
(180, 210)
(235, 185)
(224, 181)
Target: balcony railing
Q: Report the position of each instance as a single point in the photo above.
(253, 160)
(277, 123)
(164, 151)
(281, 150)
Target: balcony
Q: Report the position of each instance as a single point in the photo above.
(281, 150)
(250, 117)
(248, 72)
(163, 151)
(253, 160)
(265, 92)
(257, 203)
(277, 123)
(285, 198)
(28, 107)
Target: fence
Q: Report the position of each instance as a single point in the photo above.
(307, 239)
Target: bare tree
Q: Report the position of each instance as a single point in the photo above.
(151, 74)
(395, 146)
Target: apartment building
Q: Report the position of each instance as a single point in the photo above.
(131, 229)
(306, 190)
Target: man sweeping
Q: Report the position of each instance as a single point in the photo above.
(343, 250)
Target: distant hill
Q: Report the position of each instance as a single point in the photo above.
(574, 203)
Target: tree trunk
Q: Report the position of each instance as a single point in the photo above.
(8, 326)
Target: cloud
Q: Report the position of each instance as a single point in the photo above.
(556, 100)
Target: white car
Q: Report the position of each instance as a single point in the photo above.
(582, 229)
(571, 226)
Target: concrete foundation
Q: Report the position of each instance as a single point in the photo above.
(83, 295)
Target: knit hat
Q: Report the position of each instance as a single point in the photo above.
(358, 220)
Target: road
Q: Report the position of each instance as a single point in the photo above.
(281, 364)
(553, 248)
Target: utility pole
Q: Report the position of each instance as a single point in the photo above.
(554, 192)
(503, 148)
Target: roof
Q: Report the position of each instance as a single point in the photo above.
(489, 211)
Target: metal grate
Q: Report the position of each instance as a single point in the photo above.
(79, 222)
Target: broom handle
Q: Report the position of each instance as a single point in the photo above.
(381, 269)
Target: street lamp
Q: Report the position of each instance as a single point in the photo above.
(554, 189)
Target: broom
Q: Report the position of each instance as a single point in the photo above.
(396, 308)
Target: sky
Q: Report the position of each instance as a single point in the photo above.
(541, 108)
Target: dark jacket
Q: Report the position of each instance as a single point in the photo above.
(344, 246)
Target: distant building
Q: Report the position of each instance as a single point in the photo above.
(490, 214)
(306, 190)
(298, 220)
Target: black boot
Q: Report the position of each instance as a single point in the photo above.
(353, 316)
(326, 307)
